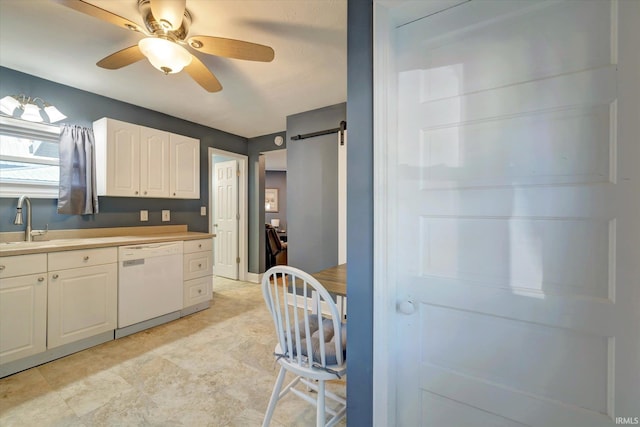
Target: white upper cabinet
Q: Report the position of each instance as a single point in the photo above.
(137, 161)
(185, 167)
(117, 158)
(154, 163)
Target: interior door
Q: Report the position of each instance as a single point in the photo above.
(226, 219)
(514, 196)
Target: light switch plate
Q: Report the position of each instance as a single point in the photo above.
(166, 215)
(144, 215)
(203, 211)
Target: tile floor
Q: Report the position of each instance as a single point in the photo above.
(213, 368)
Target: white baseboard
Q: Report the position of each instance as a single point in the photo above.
(254, 277)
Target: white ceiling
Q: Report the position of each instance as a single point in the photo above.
(48, 40)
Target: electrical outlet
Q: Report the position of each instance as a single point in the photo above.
(203, 211)
(166, 215)
(144, 215)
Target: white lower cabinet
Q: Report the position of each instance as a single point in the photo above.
(198, 271)
(23, 306)
(83, 299)
(48, 301)
(197, 291)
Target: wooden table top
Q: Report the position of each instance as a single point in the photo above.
(334, 279)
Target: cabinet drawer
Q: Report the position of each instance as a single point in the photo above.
(197, 291)
(20, 265)
(82, 258)
(200, 245)
(198, 264)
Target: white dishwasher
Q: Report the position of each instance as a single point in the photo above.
(150, 282)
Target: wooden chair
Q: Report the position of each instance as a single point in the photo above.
(276, 250)
(312, 347)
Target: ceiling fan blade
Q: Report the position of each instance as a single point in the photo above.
(202, 75)
(121, 58)
(170, 11)
(231, 48)
(99, 13)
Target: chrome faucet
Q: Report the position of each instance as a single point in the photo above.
(28, 233)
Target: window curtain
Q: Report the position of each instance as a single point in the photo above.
(77, 194)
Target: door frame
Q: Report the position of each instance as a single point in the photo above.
(243, 209)
(384, 384)
(387, 16)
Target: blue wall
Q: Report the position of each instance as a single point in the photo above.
(82, 108)
(360, 212)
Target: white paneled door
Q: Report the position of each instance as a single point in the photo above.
(513, 195)
(226, 219)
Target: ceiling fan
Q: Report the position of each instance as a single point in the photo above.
(167, 25)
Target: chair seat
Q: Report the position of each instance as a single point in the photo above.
(329, 372)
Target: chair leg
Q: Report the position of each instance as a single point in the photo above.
(274, 398)
(320, 415)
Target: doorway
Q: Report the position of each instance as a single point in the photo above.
(233, 248)
(275, 205)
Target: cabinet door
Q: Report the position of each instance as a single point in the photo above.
(23, 316)
(122, 159)
(154, 163)
(82, 303)
(197, 291)
(185, 167)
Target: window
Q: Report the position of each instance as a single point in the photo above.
(28, 158)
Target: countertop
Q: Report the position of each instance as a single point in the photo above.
(89, 239)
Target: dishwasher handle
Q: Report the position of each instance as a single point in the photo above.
(151, 246)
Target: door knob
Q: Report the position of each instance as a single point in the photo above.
(406, 306)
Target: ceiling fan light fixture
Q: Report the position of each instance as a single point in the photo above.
(165, 55)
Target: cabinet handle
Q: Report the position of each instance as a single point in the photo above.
(199, 265)
(199, 291)
(55, 276)
(86, 258)
(1, 267)
(135, 193)
(145, 193)
(200, 245)
(174, 194)
(40, 279)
